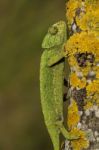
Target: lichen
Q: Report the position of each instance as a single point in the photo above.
(82, 51)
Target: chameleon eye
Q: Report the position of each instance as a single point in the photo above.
(53, 30)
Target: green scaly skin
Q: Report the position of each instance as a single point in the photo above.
(52, 81)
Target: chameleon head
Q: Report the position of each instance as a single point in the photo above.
(55, 36)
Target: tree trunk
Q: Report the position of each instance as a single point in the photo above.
(82, 49)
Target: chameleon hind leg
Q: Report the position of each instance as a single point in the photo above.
(54, 135)
(65, 133)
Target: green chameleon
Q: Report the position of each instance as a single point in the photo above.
(52, 81)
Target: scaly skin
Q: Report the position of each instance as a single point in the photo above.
(51, 82)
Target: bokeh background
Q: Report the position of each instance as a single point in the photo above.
(23, 24)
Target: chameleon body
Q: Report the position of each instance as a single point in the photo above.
(52, 81)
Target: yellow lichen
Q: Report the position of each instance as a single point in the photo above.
(78, 43)
(80, 143)
(89, 21)
(85, 70)
(72, 61)
(88, 105)
(92, 88)
(76, 82)
(82, 83)
(71, 7)
(73, 115)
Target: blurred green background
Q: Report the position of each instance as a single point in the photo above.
(23, 24)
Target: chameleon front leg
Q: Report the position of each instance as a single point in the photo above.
(54, 56)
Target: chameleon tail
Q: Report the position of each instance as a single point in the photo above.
(55, 138)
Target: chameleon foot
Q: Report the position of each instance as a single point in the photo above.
(68, 135)
(72, 137)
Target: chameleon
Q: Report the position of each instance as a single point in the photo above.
(52, 81)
